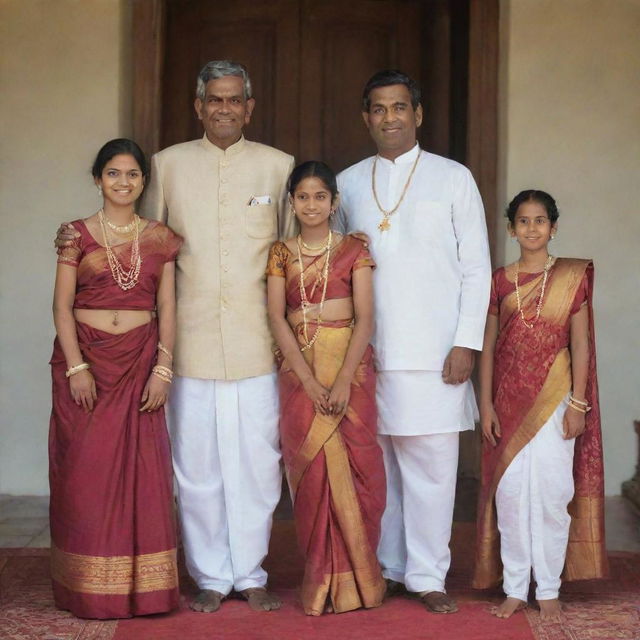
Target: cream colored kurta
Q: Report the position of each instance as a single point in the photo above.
(230, 207)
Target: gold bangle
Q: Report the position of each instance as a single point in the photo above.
(584, 403)
(71, 371)
(164, 350)
(162, 377)
(578, 408)
(164, 370)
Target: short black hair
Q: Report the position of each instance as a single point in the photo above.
(314, 169)
(386, 78)
(533, 195)
(116, 147)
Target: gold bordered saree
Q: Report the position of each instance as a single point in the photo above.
(532, 374)
(334, 464)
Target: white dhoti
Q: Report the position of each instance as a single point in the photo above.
(531, 502)
(420, 418)
(226, 461)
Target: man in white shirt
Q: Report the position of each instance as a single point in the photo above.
(425, 220)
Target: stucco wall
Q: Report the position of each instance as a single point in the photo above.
(64, 72)
(570, 124)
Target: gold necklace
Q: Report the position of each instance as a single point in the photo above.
(324, 246)
(123, 228)
(547, 267)
(385, 224)
(125, 279)
(304, 302)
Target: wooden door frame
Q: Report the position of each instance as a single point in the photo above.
(482, 113)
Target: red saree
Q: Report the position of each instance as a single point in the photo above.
(532, 374)
(334, 466)
(113, 538)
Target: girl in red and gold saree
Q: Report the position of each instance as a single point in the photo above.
(541, 499)
(320, 307)
(113, 541)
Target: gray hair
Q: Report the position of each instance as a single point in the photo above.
(219, 69)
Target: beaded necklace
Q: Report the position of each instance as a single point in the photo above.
(547, 267)
(304, 302)
(385, 223)
(125, 279)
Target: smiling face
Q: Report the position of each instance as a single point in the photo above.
(312, 203)
(392, 121)
(121, 180)
(532, 227)
(224, 110)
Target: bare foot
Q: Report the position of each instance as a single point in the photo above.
(260, 599)
(438, 602)
(508, 607)
(551, 610)
(207, 601)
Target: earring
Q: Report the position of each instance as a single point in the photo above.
(552, 237)
(331, 212)
(292, 212)
(99, 187)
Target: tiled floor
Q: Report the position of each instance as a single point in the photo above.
(24, 522)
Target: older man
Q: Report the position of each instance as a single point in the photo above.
(425, 220)
(225, 196)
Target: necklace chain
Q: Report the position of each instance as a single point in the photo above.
(304, 301)
(125, 279)
(385, 223)
(323, 247)
(547, 267)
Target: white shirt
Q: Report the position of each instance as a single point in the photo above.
(433, 274)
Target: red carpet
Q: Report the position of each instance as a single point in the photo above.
(603, 610)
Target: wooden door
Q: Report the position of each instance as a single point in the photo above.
(308, 63)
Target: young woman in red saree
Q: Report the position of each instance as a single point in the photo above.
(320, 307)
(113, 541)
(541, 500)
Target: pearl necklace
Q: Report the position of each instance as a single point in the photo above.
(125, 279)
(385, 224)
(124, 228)
(304, 302)
(547, 267)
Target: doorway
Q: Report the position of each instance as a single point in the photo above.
(309, 60)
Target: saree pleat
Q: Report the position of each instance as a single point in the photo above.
(111, 511)
(532, 374)
(334, 466)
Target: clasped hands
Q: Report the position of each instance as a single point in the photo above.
(328, 402)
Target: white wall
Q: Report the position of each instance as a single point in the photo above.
(64, 72)
(570, 125)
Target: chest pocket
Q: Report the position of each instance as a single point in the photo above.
(260, 221)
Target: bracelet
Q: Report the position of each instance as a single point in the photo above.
(584, 403)
(71, 371)
(164, 373)
(577, 408)
(164, 350)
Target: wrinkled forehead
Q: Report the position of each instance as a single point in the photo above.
(226, 87)
(391, 94)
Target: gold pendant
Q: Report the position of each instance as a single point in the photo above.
(384, 225)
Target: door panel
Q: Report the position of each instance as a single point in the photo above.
(262, 35)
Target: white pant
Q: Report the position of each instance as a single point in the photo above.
(531, 501)
(226, 462)
(416, 525)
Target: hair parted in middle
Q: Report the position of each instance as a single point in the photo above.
(314, 169)
(533, 195)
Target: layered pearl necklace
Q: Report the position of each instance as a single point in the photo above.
(324, 279)
(125, 278)
(547, 266)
